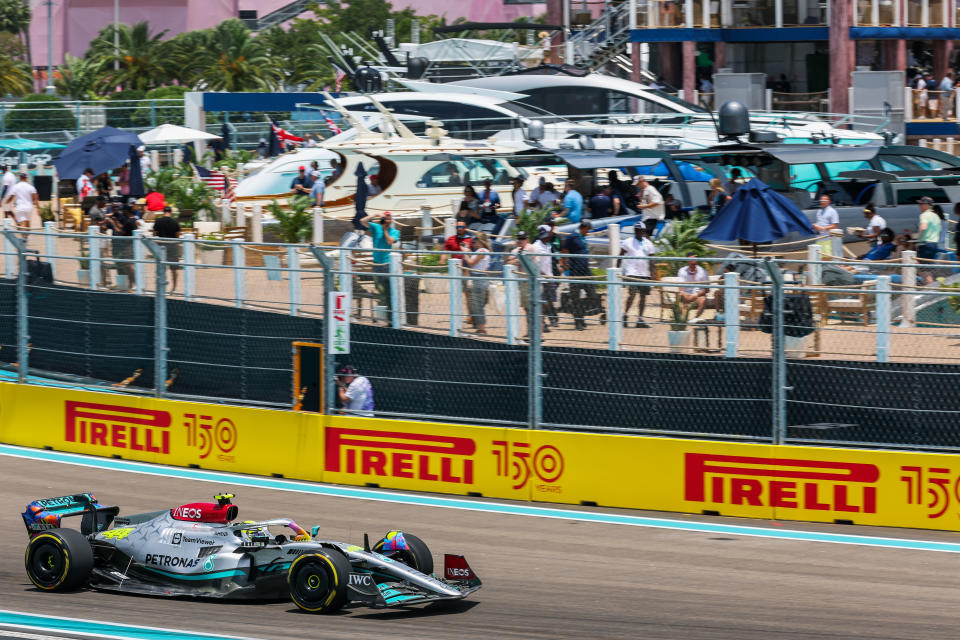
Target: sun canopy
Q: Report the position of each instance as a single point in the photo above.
(102, 150)
(175, 134)
(756, 213)
(22, 144)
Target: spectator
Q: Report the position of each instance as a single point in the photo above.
(956, 212)
(123, 225)
(619, 191)
(946, 95)
(519, 196)
(319, 190)
(262, 149)
(489, 203)
(337, 170)
(478, 263)
(942, 241)
(933, 93)
(168, 230)
(23, 197)
(572, 202)
(544, 260)
(583, 290)
(673, 207)
(637, 269)
(459, 241)
(156, 203)
(533, 198)
(736, 178)
(97, 211)
(718, 195)
(98, 218)
(139, 207)
(146, 166)
(650, 205)
(85, 186)
(523, 246)
(601, 204)
(123, 180)
(693, 273)
(355, 392)
(469, 207)
(875, 224)
(385, 237)
(309, 142)
(374, 187)
(9, 179)
(455, 180)
(315, 174)
(884, 248)
(548, 195)
(827, 217)
(928, 230)
(920, 95)
(302, 183)
(104, 185)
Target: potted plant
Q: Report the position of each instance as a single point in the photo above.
(430, 264)
(678, 335)
(211, 254)
(294, 221)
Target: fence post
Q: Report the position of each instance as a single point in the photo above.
(9, 249)
(225, 213)
(883, 318)
(814, 271)
(328, 363)
(293, 275)
(836, 243)
(456, 296)
(731, 312)
(614, 308)
(317, 225)
(346, 277)
(426, 223)
(908, 314)
(534, 353)
(189, 271)
(613, 234)
(139, 255)
(93, 264)
(256, 223)
(777, 356)
(23, 337)
(510, 299)
(239, 273)
(449, 227)
(396, 290)
(50, 245)
(159, 253)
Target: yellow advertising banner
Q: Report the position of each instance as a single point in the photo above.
(820, 484)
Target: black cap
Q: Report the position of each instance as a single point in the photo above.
(521, 235)
(347, 370)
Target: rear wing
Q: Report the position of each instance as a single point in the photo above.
(47, 513)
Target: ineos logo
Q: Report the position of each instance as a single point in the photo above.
(182, 512)
(360, 580)
(455, 572)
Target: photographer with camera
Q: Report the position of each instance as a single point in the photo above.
(385, 237)
(355, 392)
(123, 223)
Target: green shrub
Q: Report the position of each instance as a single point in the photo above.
(40, 112)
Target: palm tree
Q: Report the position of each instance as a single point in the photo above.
(236, 61)
(15, 18)
(139, 60)
(15, 77)
(77, 77)
(183, 52)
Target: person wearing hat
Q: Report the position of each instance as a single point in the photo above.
(544, 260)
(23, 197)
(301, 184)
(827, 217)
(636, 268)
(355, 392)
(385, 237)
(579, 267)
(928, 233)
(650, 204)
(262, 149)
(145, 165)
(522, 246)
(139, 207)
(374, 187)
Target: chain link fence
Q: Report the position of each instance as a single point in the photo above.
(798, 348)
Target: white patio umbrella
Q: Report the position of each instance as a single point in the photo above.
(175, 134)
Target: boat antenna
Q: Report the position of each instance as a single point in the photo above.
(400, 128)
(346, 115)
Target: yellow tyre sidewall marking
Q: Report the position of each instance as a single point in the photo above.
(66, 560)
(333, 570)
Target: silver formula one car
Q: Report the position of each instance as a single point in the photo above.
(200, 549)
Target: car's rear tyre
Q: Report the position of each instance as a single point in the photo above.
(416, 556)
(58, 560)
(318, 581)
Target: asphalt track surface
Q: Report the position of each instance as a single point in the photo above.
(543, 578)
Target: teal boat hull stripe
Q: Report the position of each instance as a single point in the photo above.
(100, 629)
(518, 509)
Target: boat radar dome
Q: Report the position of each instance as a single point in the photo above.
(733, 120)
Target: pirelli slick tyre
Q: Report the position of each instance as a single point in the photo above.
(318, 581)
(58, 560)
(416, 556)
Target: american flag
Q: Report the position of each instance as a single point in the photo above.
(339, 75)
(217, 181)
(332, 126)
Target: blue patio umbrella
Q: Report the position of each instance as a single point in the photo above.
(756, 213)
(101, 150)
(136, 174)
(360, 198)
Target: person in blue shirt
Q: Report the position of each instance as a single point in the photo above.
(385, 237)
(302, 183)
(318, 191)
(583, 291)
(885, 249)
(489, 203)
(572, 203)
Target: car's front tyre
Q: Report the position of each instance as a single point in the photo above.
(58, 560)
(318, 581)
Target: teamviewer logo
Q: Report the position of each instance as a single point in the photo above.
(416, 456)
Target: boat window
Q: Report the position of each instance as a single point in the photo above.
(890, 165)
(834, 169)
(806, 176)
(910, 196)
(470, 171)
(927, 163)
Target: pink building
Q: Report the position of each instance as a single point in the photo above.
(76, 22)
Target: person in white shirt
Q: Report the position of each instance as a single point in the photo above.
(694, 273)
(875, 224)
(9, 179)
(519, 197)
(355, 392)
(544, 260)
(946, 95)
(639, 247)
(650, 204)
(827, 217)
(145, 165)
(85, 186)
(23, 197)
